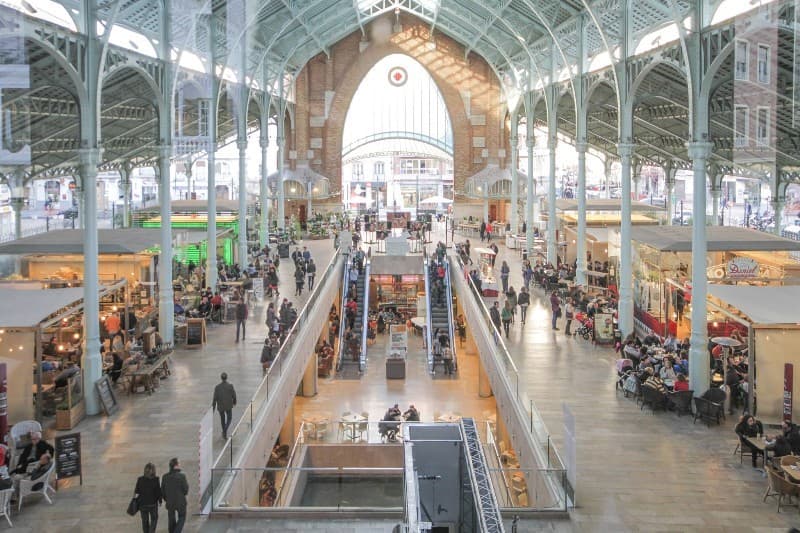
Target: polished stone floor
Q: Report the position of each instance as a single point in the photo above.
(636, 471)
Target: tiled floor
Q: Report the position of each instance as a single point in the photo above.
(636, 471)
(374, 393)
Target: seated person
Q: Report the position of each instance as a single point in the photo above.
(779, 446)
(680, 384)
(33, 452)
(667, 372)
(749, 427)
(390, 423)
(411, 415)
(654, 382)
(62, 379)
(51, 348)
(204, 309)
(41, 468)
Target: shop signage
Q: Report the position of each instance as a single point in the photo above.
(604, 328)
(788, 386)
(742, 268)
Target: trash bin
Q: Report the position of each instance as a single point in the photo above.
(283, 250)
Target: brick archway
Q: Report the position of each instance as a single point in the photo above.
(452, 73)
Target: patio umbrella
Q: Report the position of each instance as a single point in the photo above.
(436, 200)
(726, 341)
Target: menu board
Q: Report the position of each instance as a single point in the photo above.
(195, 332)
(106, 393)
(68, 457)
(258, 288)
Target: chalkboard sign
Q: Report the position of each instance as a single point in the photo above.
(68, 457)
(106, 393)
(195, 332)
(258, 288)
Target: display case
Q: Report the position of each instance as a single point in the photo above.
(402, 290)
(72, 408)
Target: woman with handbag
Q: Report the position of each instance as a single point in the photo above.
(555, 307)
(147, 497)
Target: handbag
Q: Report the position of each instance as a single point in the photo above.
(558, 313)
(133, 506)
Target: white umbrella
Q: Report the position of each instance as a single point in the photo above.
(436, 200)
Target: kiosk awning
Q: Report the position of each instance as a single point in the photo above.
(32, 306)
(761, 305)
(720, 239)
(70, 241)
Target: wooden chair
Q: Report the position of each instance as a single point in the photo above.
(707, 410)
(682, 400)
(744, 451)
(781, 488)
(654, 398)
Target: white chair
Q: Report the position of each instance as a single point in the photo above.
(5, 504)
(42, 484)
(321, 429)
(363, 426)
(22, 430)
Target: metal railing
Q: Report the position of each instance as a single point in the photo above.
(537, 427)
(342, 314)
(244, 426)
(448, 280)
(362, 358)
(428, 329)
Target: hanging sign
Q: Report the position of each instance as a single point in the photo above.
(742, 268)
(398, 76)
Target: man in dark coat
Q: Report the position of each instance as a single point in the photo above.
(494, 312)
(241, 318)
(224, 400)
(174, 489)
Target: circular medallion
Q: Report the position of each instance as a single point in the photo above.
(398, 76)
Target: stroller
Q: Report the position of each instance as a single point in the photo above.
(586, 328)
(626, 379)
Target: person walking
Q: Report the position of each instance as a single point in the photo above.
(174, 489)
(311, 272)
(506, 317)
(512, 300)
(569, 312)
(241, 318)
(299, 281)
(555, 308)
(483, 230)
(148, 496)
(523, 300)
(489, 232)
(224, 401)
(494, 313)
(505, 271)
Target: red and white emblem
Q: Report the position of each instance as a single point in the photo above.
(398, 76)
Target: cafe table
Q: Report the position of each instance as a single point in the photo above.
(450, 418)
(352, 421)
(314, 421)
(793, 471)
(148, 374)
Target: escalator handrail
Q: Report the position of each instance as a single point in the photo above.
(428, 331)
(362, 362)
(450, 323)
(342, 315)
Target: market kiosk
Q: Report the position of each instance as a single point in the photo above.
(769, 317)
(489, 285)
(736, 256)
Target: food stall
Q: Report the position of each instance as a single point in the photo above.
(489, 285)
(193, 215)
(38, 314)
(662, 258)
(131, 254)
(769, 316)
(397, 282)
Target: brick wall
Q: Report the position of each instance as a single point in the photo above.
(342, 72)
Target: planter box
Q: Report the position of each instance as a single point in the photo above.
(68, 419)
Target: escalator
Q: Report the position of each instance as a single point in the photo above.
(440, 311)
(342, 314)
(353, 341)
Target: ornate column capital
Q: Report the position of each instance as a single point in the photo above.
(241, 145)
(699, 150)
(89, 157)
(626, 149)
(165, 151)
(581, 147)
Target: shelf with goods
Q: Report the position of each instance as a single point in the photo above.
(400, 291)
